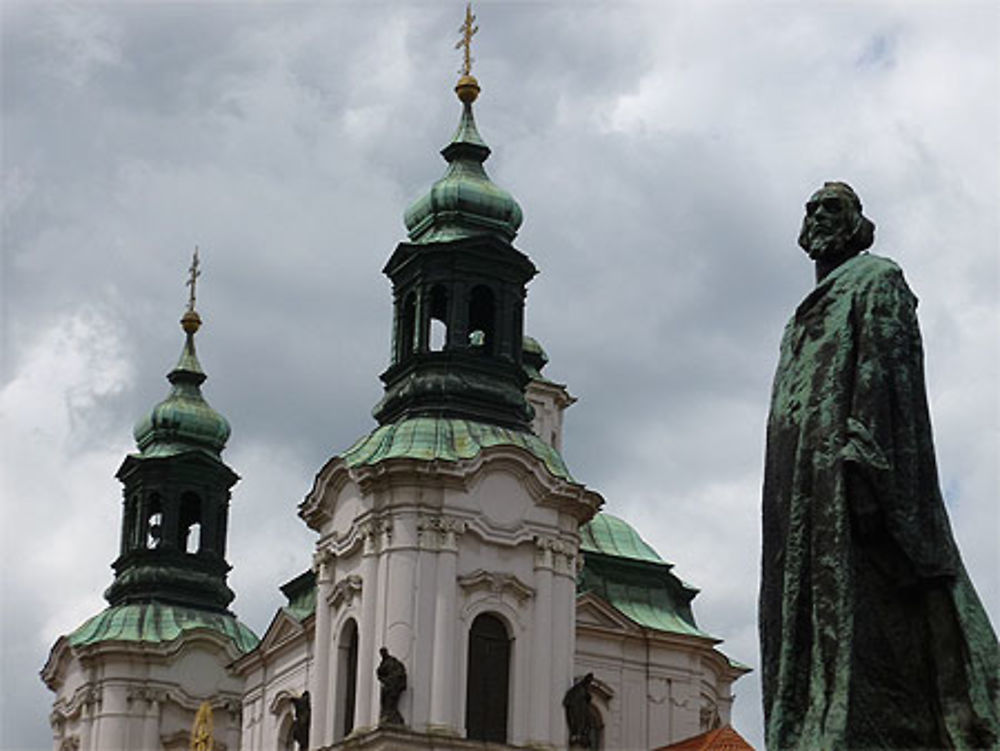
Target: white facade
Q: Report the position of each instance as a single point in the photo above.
(119, 695)
(412, 552)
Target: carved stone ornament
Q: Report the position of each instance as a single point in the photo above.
(556, 554)
(376, 532)
(439, 532)
(345, 590)
(497, 583)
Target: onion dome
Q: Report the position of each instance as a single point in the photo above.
(183, 421)
(465, 202)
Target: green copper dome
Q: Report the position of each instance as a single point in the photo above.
(183, 421)
(464, 202)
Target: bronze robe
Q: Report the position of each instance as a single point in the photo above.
(871, 633)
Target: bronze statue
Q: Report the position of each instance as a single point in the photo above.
(392, 675)
(872, 636)
(576, 702)
(300, 722)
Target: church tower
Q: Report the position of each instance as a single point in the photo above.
(133, 676)
(450, 534)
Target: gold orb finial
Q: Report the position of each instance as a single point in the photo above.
(467, 87)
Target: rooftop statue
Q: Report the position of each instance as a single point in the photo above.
(391, 674)
(872, 636)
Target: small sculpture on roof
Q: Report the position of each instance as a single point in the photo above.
(300, 722)
(580, 714)
(391, 674)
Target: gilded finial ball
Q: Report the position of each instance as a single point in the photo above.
(467, 89)
(190, 321)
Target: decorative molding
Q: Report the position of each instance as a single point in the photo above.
(497, 583)
(439, 532)
(556, 554)
(322, 563)
(375, 533)
(144, 693)
(345, 591)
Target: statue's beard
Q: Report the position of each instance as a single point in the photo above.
(826, 244)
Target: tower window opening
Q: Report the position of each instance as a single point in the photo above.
(154, 522)
(407, 326)
(347, 679)
(488, 679)
(189, 526)
(482, 319)
(438, 338)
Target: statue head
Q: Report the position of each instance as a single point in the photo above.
(834, 227)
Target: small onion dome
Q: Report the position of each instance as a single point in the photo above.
(465, 202)
(183, 421)
(533, 358)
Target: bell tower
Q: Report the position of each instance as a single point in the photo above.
(135, 675)
(458, 293)
(177, 490)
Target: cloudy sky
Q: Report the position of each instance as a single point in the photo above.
(661, 153)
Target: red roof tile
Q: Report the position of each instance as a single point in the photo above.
(720, 739)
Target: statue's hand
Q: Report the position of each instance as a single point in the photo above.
(866, 515)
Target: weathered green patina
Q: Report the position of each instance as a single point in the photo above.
(184, 421)
(465, 202)
(448, 439)
(872, 636)
(620, 568)
(159, 623)
(301, 594)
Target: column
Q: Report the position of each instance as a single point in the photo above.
(319, 691)
(542, 645)
(151, 724)
(444, 698)
(367, 638)
(564, 622)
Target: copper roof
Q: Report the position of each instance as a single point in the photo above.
(720, 739)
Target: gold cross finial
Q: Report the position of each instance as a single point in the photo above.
(467, 30)
(191, 321)
(192, 279)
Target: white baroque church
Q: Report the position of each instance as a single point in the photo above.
(453, 536)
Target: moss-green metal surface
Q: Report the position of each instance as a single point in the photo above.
(447, 439)
(158, 623)
(613, 536)
(622, 569)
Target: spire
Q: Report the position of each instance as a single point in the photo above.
(176, 492)
(184, 421)
(465, 202)
(459, 289)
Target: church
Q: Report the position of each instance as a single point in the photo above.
(467, 590)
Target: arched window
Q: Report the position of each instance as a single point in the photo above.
(189, 524)
(438, 338)
(154, 522)
(481, 319)
(489, 675)
(347, 680)
(407, 326)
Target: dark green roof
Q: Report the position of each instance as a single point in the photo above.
(301, 594)
(610, 535)
(465, 202)
(158, 623)
(623, 570)
(447, 439)
(183, 421)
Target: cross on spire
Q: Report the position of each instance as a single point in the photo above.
(192, 281)
(467, 30)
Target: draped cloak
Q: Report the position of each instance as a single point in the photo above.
(871, 636)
